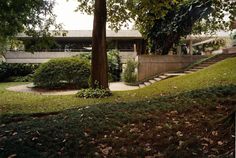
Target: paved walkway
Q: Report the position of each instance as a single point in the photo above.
(27, 88)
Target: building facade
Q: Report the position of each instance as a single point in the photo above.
(75, 42)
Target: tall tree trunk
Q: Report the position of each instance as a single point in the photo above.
(99, 55)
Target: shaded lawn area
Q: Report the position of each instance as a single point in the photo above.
(190, 124)
(223, 73)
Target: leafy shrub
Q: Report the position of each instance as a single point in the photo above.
(3, 72)
(129, 75)
(22, 69)
(28, 78)
(16, 70)
(63, 73)
(114, 64)
(93, 93)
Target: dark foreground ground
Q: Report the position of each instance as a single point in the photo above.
(193, 124)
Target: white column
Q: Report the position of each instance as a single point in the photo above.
(191, 46)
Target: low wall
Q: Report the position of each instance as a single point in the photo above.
(229, 50)
(36, 57)
(151, 65)
(41, 57)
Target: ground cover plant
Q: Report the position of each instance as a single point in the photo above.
(220, 74)
(190, 124)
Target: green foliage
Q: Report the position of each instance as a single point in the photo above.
(16, 70)
(114, 64)
(129, 75)
(28, 78)
(3, 72)
(63, 73)
(93, 93)
(33, 18)
(221, 17)
(176, 24)
(120, 13)
(165, 22)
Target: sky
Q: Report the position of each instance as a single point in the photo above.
(72, 20)
(77, 21)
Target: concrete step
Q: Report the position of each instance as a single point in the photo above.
(142, 85)
(174, 74)
(197, 67)
(194, 70)
(157, 79)
(189, 72)
(205, 65)
(208, 63)
(200, 67)
(152, 81)
(163, 77)
(147, 83)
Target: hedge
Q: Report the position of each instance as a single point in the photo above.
(16, 70)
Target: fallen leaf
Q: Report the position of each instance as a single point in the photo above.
(15, 133)
(214, 133)
(12, 156)
(106, 150)
(179, 134)
(220, 143)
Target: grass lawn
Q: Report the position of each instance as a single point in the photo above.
(186, 116)
(222, 73)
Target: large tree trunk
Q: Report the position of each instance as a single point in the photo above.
(99, 55)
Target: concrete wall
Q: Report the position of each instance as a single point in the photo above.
(151, 65)
(229, 50)
(41, 57)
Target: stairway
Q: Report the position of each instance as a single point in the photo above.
(193, 69)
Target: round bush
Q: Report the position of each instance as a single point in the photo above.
(63, 73)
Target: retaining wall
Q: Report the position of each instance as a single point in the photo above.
(151, 65)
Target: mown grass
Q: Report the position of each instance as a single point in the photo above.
(219, 74)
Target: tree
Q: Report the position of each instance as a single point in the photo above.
(163, 29)
(176, 24)
(117, 13)
(99, 74)
(33, 18)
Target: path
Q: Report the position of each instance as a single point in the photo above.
(27, 88)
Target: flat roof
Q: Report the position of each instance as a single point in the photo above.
(88, 34)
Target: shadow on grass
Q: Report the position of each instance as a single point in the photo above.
(91, 130)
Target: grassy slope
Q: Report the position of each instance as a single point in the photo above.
(222, 73)
(171, 126)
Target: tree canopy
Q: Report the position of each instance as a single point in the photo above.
(33, 18)
(183, 18)
(160, 21)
